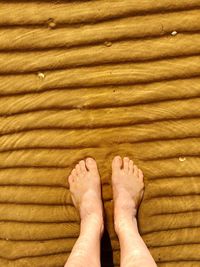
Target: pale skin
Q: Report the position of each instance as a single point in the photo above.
(128, 189)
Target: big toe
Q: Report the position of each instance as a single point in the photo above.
(91, 164)
(117, 163)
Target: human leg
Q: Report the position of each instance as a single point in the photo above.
(127, 182)
(85, 190)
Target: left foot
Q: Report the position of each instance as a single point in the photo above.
(85, 190)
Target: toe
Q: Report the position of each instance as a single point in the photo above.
(78, 169)
(91, 164)
(140, 173)
(126, 163)
(74, 173)
(70, 179)
(136, 170)
(131, 166)
(82, 166)
(117, 163)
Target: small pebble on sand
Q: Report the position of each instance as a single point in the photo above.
(51, 23)
(182, 158)
(41, 75)
(174, 33)
(107, 43)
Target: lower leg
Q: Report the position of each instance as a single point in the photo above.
(86, 251)
(134, 252)
(85, 190)
(128, 190)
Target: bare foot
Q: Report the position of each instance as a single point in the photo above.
(85, 190)
(128, 189)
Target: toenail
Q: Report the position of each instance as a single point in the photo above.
(89, 159)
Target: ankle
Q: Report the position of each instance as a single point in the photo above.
(124, 221)
(94, 222)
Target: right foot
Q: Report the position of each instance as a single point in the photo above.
(128, 189)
